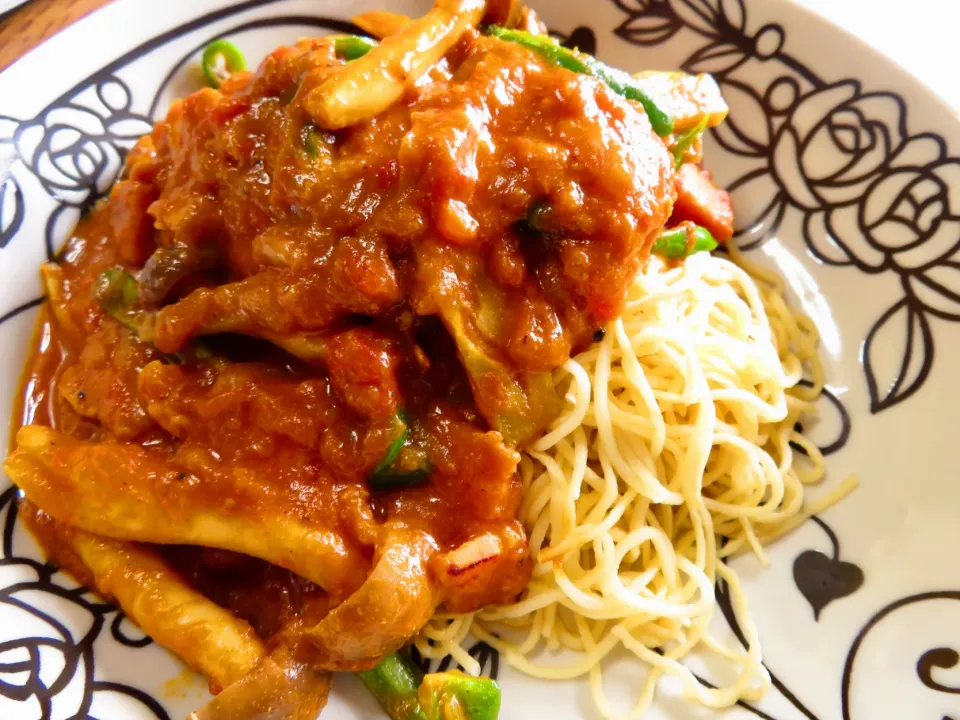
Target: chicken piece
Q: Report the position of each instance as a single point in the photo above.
(102, 385)
(249, 307)
(141, 161)
(356, 276)
(279, 687)
(119, 294)
(310, 347)
(482, 465)
(132, 227)
(368, 86)
(701, 202)
(59, 298)
(491, 568)
(208, 638)
(363, 367)
(125, 492)
(206, 405)
(392, 605)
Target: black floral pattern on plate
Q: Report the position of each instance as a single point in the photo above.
(486, 656)
(939, 657)
(26, 663)
(883, 207)
(75, 150)
(882, 204)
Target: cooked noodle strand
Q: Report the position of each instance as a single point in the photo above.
(674, 452)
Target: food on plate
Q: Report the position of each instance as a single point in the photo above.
(399, 339)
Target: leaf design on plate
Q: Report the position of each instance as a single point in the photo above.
(897, 354)
(938, 657)
(823, 579)
(716, 59)
(704, 16)
(581, 38)
(938, 289)
(748, 127)
(11, 209)
(650, 23)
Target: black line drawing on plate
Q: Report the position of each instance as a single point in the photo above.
(487, 657)
(941, 657)
(822, 578)
(833, 405)
(75, 148)
(24, 681)
(885, 178)
(884, 183)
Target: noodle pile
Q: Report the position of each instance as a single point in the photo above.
(673, 453)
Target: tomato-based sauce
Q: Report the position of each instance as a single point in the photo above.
(338, 338)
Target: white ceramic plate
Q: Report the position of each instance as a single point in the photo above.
(843, 176)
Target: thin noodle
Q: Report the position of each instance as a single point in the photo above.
(674, 453)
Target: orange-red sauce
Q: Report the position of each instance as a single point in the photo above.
(374, 255)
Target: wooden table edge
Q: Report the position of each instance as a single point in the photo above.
(24, 28)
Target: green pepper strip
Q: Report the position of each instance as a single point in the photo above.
(233, 61)
(455, 696)
(621, 83)
(117, 293)
(686, 139)
(618, 81)
(387, 477)
(394, 684)
(396, 446)
(544, 46)
(390, 479)
(673, 243)
(403, 691)
(311, 141)
(351, 47)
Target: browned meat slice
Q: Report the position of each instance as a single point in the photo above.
(102, 384)
(355, 277)
(280, 687)
(208, 638)
(128, 493)
(392, 605)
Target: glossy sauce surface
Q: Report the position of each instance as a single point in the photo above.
(304, 294)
